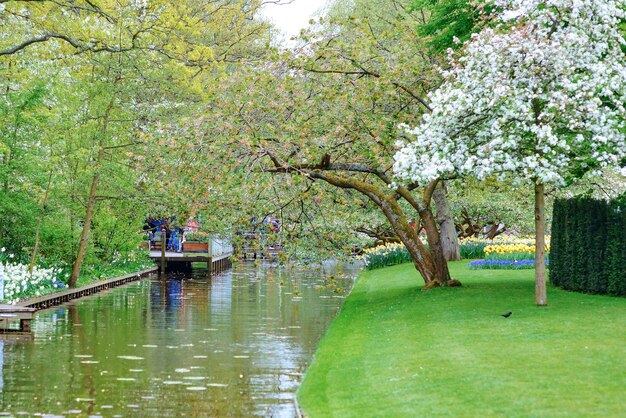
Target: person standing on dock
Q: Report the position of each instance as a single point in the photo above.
(174, 243)
(150, 238)
(181, 240)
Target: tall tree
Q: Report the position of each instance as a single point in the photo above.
(433, 22)
(111, 71)
(541, 97)
(327, 114)
(450, 22)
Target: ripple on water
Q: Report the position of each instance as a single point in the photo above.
(218, 321)
(135, 358)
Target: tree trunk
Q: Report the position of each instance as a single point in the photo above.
(33, 258)
(91, 203)
(495, 230)
(441, 276)
(541, 298)
(430, 268)
(422, 259)
(447, 230)
(84, 235)
(440, 264)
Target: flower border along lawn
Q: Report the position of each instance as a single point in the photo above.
(396, 351)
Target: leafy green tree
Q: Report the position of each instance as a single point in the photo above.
(22, 114)
(490, 208)
(326, 119)
(111, 71)
(450, 22)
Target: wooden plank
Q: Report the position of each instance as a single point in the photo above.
(15, 308)
(14, 313)
(10, 313)
(222, 256)
(69, 294)
(188, 259)
(16, 316)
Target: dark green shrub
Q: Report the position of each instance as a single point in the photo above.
(588, 249)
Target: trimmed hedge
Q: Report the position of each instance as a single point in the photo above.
(588, 248)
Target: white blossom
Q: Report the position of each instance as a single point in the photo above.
(539, 97)
(19, 283)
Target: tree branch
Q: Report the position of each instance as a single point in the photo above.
(37, 39)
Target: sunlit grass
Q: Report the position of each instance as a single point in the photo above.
(397, 351)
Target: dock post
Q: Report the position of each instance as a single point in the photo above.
(210, 256)
(25, 325)
(163, 243)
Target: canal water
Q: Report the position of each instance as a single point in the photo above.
(235, 345)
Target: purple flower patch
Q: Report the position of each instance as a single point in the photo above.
(502, 264)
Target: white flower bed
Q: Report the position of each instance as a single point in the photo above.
(20, 284)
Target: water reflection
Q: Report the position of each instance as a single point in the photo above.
(234, 345)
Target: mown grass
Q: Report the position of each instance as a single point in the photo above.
(395, 351)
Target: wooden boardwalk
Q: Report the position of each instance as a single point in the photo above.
(24, 311)
(194, 257)
(181, 261)
(11, 313)
(63, 296)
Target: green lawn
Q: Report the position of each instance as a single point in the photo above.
(395, 351)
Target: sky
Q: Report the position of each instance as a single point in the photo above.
(290, 18)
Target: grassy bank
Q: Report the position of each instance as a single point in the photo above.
(397, 351)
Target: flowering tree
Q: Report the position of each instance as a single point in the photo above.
(540, 97)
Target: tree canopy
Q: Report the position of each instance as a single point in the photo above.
(539, 97)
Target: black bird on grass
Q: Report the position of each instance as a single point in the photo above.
(506, 315)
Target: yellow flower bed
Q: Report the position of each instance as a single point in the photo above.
(512, 248)
(384, 249)
(385, 255)
(502, 245)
